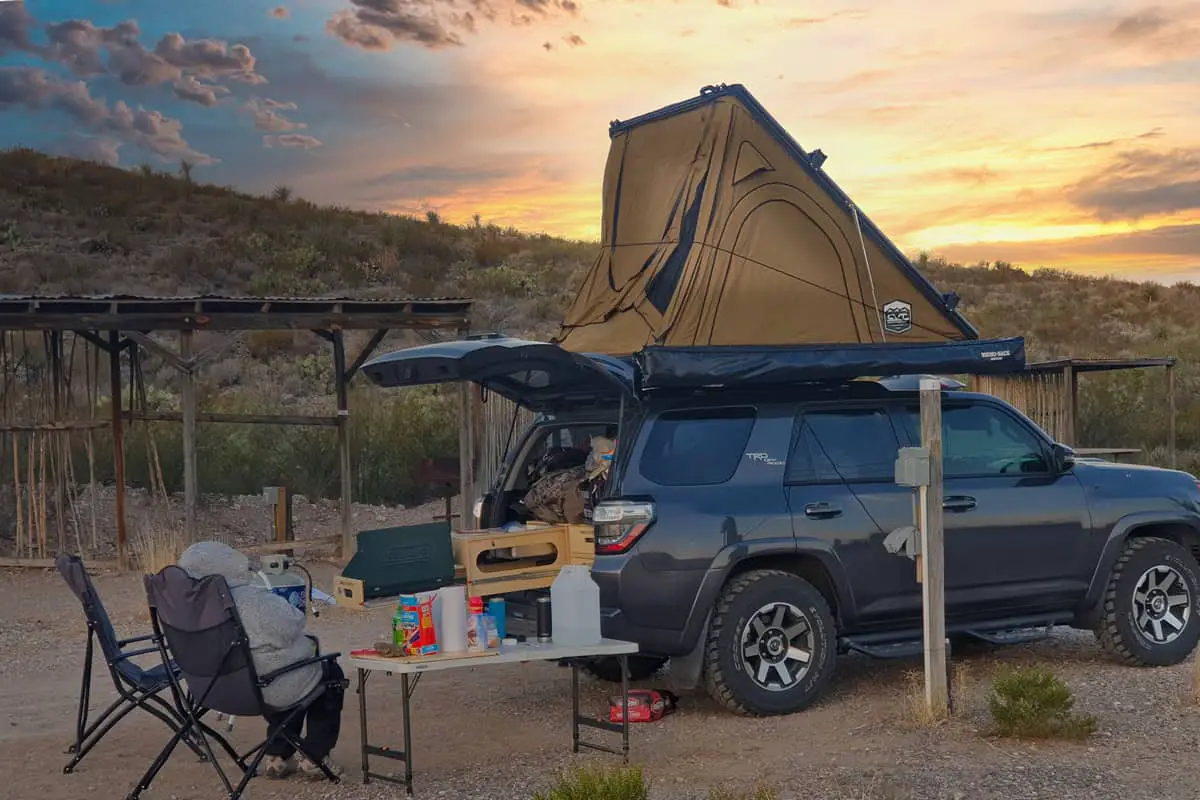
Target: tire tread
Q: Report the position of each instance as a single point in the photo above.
(1107, 632)
(716, 682)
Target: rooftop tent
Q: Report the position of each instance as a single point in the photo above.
(718, 229)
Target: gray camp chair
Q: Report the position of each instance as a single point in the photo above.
(136, 686)
(197, 625)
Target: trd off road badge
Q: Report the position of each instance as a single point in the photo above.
(897, 317)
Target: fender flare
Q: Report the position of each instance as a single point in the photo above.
(1116, 542)
(731, 557)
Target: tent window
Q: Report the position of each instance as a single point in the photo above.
(696, 448)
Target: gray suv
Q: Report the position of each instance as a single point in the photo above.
(741, 531)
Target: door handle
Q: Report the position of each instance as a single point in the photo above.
(958, 503)
(822, 510)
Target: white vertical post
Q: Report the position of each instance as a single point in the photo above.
(932, 561)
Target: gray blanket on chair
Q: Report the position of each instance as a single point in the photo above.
(276, 628)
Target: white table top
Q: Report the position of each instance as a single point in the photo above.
(513, 654)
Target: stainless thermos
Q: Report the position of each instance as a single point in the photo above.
(543, 619)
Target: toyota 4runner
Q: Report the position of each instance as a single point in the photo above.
(740, 534)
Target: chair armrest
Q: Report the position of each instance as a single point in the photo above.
(265, 680)
(316, 642)
(123, 642)
(134, 654)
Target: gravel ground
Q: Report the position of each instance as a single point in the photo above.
(500, 733)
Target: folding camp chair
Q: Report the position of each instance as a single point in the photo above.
(136, 687)
(196, 623)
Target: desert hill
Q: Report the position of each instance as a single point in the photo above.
(75, 227)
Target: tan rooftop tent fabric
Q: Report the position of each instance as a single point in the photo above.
(719, 230)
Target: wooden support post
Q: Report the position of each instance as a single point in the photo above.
(466, 460)
(932, 562)
(368, 350)
(467, 470)
(187, 380)
(284, 532)
(114, 369)
(1070, 403)
(349, 545)
(1171, 411)
(281, 516)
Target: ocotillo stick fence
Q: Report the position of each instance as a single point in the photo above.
(46, 343)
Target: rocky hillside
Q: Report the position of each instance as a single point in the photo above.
(69, 226)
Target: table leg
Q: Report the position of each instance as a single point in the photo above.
(574, 707)
(625, 704)
(578, 720)
(408, 748)
(362, 722)
(408, 686)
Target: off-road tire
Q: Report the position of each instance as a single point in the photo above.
(725, 680)
(1117, 631)
(608, 669)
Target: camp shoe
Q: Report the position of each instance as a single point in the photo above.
(277, 768)
(309, 768)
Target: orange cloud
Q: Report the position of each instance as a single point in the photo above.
(1024, 129)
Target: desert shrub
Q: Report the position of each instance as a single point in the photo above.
(390, 433)
(492, 249)
(1033, 703)
(267, 344)
(585, 784)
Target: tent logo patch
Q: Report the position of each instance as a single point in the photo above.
(897, 317)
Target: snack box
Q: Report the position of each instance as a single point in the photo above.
(412, 626)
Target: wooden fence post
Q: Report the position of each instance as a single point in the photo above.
(932, 562)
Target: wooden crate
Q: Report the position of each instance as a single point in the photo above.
(570, 544)
(348, 593)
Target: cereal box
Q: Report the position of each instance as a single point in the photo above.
(413, 628)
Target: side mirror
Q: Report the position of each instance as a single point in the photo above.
(1064, 457)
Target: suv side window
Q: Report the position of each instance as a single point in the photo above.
(981, 440)
(696, 447)
(836, 445)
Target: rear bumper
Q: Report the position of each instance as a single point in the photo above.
(521, 613)
(650, 641)
(619, 577)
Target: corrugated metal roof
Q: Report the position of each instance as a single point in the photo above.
(1100, 364)
(116, 312)
(187, 298)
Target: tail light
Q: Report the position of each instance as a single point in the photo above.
(619, 524)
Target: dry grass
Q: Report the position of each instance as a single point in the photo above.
(1194, 686)
(157, 545)
(963, 690)
(916, 710)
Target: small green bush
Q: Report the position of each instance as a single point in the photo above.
(1033, 703)
(584, 784)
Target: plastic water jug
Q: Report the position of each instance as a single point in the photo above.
(575, 607)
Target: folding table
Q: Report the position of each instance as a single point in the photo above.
(411, 669)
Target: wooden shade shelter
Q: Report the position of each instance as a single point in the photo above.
(120, 323)
(1048, 392)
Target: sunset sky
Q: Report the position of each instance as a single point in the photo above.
(1041, 132)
